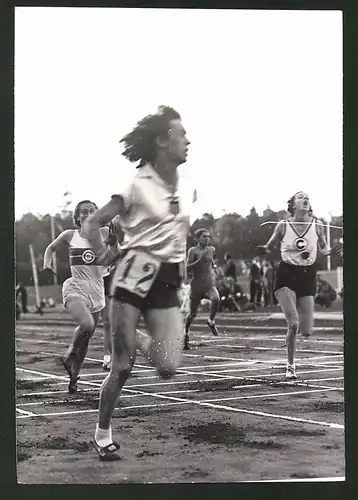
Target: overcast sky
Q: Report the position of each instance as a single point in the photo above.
(260, 94)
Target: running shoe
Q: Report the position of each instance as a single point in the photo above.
(212, 326)
(291, 372)
(106, 363)
(108, 453)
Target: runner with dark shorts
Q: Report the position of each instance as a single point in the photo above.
(300, 237)
(200, 263)
(154, 210)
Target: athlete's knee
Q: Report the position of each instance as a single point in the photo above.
(293, 325)
(87, 326)
(167, 370)
(215, 299)
(121, 368)
(167, 366)
(191, 315)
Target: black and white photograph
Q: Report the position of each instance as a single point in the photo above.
(178, 245)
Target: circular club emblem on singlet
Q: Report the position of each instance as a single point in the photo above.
(88, 256)
(301, 244)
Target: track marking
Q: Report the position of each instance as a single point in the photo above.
(219, 375)
(282, 338)
(326, 379)
(202, 403)
(208, 357)
(301, 339)
(303, 480)
(76, 412)
(233, 370)
(27, 413)
(146, 368)
(260, 396)
(33, 341)
(259, 348)
(45, 393)
(233, 398)
(56, 377)
(80, 400)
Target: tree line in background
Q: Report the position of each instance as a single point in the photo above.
(232, 233)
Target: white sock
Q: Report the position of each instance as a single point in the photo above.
(103, 437)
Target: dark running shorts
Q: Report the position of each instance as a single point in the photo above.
(162, 295)
(300, 279)
(107, 284)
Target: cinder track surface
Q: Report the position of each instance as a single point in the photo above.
(229, 415)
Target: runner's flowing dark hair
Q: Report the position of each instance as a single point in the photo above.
(140, 144)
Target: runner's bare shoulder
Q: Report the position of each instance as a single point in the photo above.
(281, 226)
(67, 235)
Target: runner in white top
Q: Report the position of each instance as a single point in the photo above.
(154, 212)
(83, 293)
(295, 277)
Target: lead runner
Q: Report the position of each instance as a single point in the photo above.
(154, 212)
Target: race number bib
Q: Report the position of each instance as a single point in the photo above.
(136, 272)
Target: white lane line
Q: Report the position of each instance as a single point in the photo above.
(298, 360)
(258, 348)
(208, 357)
(262, 396)
(303, 480)
(282, 338)
(224, 365)
(209, 405)
(46, 393)
(55, 377)
(233, 370)
(33, 341)
(220, 376)
(32, 379)
(79, 400)
(27, 413)
(76, 412)
(250, 412)
(128, 396)
(326, 379)
(145, 368)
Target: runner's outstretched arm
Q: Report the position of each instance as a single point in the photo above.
(101, 217)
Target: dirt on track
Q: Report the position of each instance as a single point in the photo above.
(168, 441)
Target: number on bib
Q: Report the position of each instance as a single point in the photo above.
(174, 207)
(136, 272)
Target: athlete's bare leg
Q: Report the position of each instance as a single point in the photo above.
(287, 300)
(124, 319)
(213, 296)
(78, 349)
(165, 327)
(305, 307)
(194, 305)
(107, 342)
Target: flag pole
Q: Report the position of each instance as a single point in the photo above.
(34, 273)
(329, 240)
(53, 236)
